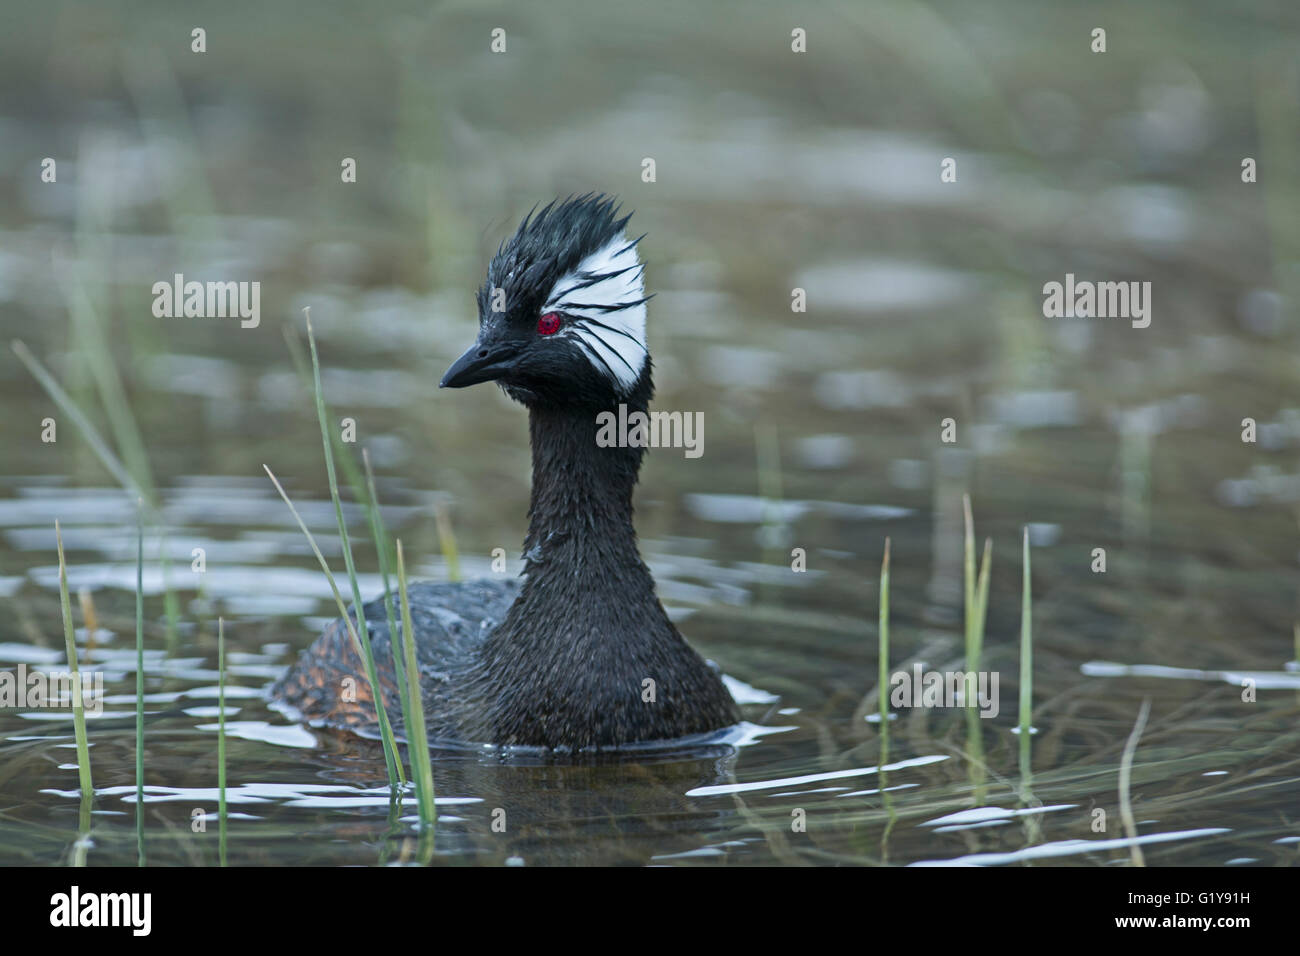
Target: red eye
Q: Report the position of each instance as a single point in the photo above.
(549, 324)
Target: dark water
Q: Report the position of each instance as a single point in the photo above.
(822, 428)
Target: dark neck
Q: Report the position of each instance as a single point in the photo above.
(573, 659)
(580, 511)
(584, 579)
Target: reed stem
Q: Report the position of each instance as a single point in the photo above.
(78, 700)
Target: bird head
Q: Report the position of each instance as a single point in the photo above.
(562, 311)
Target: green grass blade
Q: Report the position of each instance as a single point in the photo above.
(976, 600)
(417, 738)
(968, 578)
(395, 774)
(882, 692)
(975, 735)
(347, 461)
(883, 675)
(338, 596)
(311, 540)
(70, 408)
(447, 541)
(381, 546)
(78, 701)
(138, 486)
(1126, 781)
(139, 682)
(221, 739)
(1026, 662)
(98, 359)
(982, 602)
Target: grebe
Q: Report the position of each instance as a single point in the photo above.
(582, 655)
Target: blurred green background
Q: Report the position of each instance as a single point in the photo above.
(774, 170)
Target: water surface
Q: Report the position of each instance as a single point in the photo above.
(823, 428)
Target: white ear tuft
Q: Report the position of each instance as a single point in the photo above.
(605, 298)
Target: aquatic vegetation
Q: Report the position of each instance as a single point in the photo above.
(417, 740)
(221, 739)
(139, 683)
(923, 301)
(1026, 663)
(78, 700)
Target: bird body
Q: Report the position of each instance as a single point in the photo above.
(581, 655)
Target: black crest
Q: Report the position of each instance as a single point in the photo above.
(547, 245)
